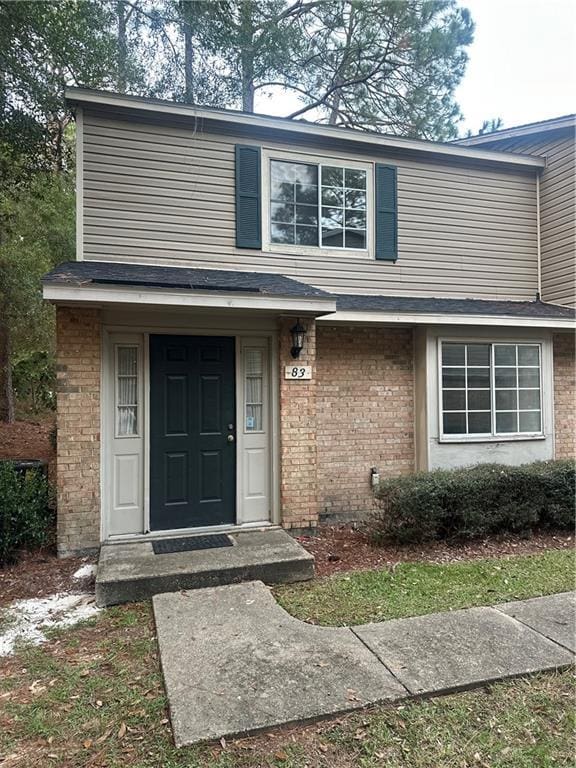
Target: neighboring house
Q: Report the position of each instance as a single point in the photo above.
(207, 239)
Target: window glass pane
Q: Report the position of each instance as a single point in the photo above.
(355, 219)
(505, 354)
(253, 362)
(530, 421)
(529, 399)
(333, 238)
(355, 198)
(478, 354)
(355, 238)
(126, 425)
(355, 178)
(307, 193)
(332, 218)
(478, 377)
(479, 400)
(282, 233)
(454, 423)
(127, 357)
(528, 355)
(505, 377)
(506, 421)
(453, 378)
(454, 399)
(506, 400)
(254, 389)
(282, 191)
(307, 214)
(453, 354)
(253, 418)
(332, 196)
(332, 177)
(294, 173)
(282, 213)
(127, 390)
(528, 377)
(306, 235)
(480, 423)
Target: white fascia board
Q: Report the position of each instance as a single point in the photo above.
(70, 294)
(102, 98)
(400, 318)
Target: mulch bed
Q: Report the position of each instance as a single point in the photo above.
(345, 548)
(40, 574)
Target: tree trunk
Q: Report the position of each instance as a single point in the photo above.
(247, 56)
(186, 8)
(6, 389)
(122, 49)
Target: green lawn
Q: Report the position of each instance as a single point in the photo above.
(412, 589)
(93, 696)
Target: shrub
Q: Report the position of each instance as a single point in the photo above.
(26, 516)
(473, 502)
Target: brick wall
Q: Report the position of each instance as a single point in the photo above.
(298, 464)
(564, 395)
(365, 405)
(78, 421)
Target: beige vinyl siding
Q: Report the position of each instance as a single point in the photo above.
(165, 193)
(557, 210)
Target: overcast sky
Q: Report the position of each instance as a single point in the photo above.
(522, 64)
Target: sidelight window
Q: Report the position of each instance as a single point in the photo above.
(126, 391)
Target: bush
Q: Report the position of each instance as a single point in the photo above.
(473, 502)
(26, 516)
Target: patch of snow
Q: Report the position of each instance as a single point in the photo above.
(85, 571)
(27, 620)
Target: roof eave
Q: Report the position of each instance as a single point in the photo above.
(84, 97)
(372, 317)
(533, 129)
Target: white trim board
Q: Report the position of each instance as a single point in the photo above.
(395, 318)
(170, 298)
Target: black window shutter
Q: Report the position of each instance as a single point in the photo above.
(248, 203)
(386, 213)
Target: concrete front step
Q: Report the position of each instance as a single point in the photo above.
(129, 572)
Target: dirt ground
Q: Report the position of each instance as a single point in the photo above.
(345, 548)
(29, 440)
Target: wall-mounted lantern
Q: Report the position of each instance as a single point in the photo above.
(297, 332)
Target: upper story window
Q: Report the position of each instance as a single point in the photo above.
(490, 390)
(317, 205)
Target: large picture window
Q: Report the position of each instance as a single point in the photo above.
(313, 204)
(490, 389)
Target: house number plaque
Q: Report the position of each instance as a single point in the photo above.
(298, 372)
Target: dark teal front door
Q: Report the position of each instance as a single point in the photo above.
(192, 431)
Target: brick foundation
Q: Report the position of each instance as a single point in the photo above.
(298, 463)
(365, 404)
(564, 395)
(78, 421)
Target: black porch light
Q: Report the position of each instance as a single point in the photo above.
(297, 332)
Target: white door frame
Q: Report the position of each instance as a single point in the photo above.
(106, 427)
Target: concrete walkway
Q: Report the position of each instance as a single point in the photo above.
(235, 662)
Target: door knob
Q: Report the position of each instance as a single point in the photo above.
(230, 438)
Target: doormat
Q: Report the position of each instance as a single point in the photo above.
(190, 543)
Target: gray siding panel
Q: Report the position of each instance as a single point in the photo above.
(165, 193)
(557, 211)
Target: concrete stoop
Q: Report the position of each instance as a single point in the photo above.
(128, 572)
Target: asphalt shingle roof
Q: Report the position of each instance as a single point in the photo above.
(80, 273)
(100, 273)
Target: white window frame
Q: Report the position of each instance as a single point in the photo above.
(287, 156)
(494, 437)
